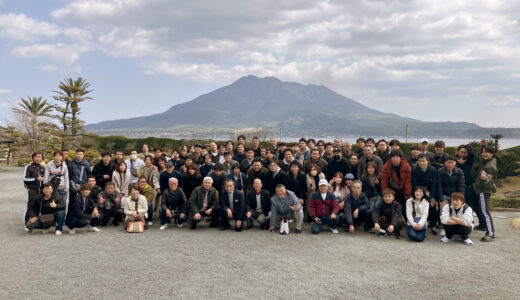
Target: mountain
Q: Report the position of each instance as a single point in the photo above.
(269, 102)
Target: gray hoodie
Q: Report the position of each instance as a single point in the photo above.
(51, 170)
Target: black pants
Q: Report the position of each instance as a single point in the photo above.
(451, 230)
(433, 215)
(483, 214)
(384, 224)
(400, 198)
(213, 217)
(106, 214)
(363, 215)
(224, 220)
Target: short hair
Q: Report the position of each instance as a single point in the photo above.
(273, 162)
(294, 163)
(423, 155)
(249, 149)
(450, 157)
(118, 150)
(360, 140)
(80, 150)
(110, 183)
(328, 144)
(208, 156)
(46, 185)
(235, 166)
(91, 177)
(85, 187)
(256, 159)
(142, 177)
(488, 149)
(322, 142)
(288, 150)
(57, 153)
(394, 142)
(64, 149)
(134, 187)
(315, 149)
(157, 149)
(302, 140)
(279, 186)
(219, 167)
(229, 180)
(207, 178)
(357, 182)
(353, 154)
(396, 153)
(255, 138)
(388, 192)
(457, 196)
(241, 137)
(439, 144)
(415, 147)
(36, 153)
(172, 179)
(381, 141)
(148, 156)
(106, 153)
(311, 140)
(370, 140)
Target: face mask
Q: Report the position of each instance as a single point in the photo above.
(133, 157)
(336, 157)
(314, 172)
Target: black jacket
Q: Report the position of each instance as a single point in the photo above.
(189, 183)
(174, 201)
(370, 190)
(77, 216)
(270, 181)
(265, 201)
(449, 184)
(239, 204)
(428, 179)
(351, 204)
(391, 212)
(100, 170)
(33, 206)
(338, 166)
(164, 179)
(30, 173)
(297, 185)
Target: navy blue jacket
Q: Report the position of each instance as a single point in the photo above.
(76, 216)
(265, 201)
(351, 204)
(164, 179)
(239, 204)
(449, 184)
(428, 179)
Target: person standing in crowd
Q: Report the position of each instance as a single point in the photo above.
(426, 176)
(415, 151)
(133, 164)
(258, 206)
(437, 160)
(285, 204)
(360, 142)
(103, 169)
(397, 175)
(296, 181)
(118, 158)
(207, 166)
(383, 151)
(353, 161)
(246, 162)
(274, 177)
(315, 158)
(465, 160)
(417, 208)
(229, 163)
(347, 149)
(177, 161)
(168, 173)
(256, 171)
(57, 173)
(256, 146)
(368, 156)
(80, 171)
(219, 177)
(484, 187)
(451, 179)
(121, 179)
(337, 164)
(196, 155)
(288, 157)
(146, 151)
(423, 144)
(303, 153)
(240, 153)
(371, 184)
(239, 178)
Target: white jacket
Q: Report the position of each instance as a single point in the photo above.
(421, 211)
(467, 215)
(129, 206)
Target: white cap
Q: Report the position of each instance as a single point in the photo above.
(423, 140)
(323, 182)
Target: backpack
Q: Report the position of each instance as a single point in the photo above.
(464, 207)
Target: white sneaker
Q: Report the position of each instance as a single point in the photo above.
(94, 229)
(72, 231)
(443, 232)
(163, 227)
(58, 232)
(25, 228)
(334, 230)
(468, 242)
(445, 239)
(150, 223)
(180, 225)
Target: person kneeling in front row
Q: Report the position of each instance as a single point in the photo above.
(203, 203)
(285, 204)
(48, 203)
(387, 216)
(232, 206)
(457, 219)
(173, 205)
(135, 206)
(323, 208)
(82, 211)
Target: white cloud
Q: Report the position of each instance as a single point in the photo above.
(59, 52)
(4, 104)
(5, 91)
(21, 27)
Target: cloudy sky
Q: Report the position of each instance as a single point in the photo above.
(432, 60)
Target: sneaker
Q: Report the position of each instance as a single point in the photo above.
(334, 230)
(30, 226)
(468, 242)
(94, 229)
(72, 231)
(372, 230)
(443, 232)
(381, 234)
(163, 227)
(298, 231)
(180, 225)
(433, 232)
(397, 236)
(58, 232)
(445, 239)
(150, 223)
(25, 228)
(487, 238)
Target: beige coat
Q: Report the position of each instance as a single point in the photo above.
(129, 207)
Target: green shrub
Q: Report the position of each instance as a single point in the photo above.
(505, 203)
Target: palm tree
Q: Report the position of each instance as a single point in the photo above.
(34, 107)
(496, 137)
(72, 93)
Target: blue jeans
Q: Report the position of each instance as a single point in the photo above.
(59, 219)
(416, 235)
(150, 212)
(316, 228)
(373, 204)
(176, 216)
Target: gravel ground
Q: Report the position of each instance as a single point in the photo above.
(179, 263)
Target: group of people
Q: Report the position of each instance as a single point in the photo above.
(375, 188)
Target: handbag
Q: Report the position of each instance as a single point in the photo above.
(46, 220)
(75, 187)
(135, 226)
(396, 187)
(284, 226)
